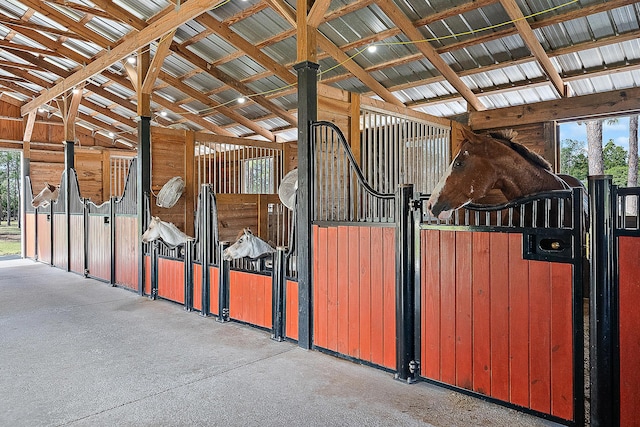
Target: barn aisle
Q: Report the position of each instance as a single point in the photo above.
(74, 351)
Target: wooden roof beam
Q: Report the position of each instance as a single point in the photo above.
(171, 20)
(404, 23)
(529, 38)
(250, 124)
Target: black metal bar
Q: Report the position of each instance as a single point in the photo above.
(604, 330)
(206, 249)
(85, 240)
(278, 294)
(154, 270)
(68, 166)
(188, 276)
(143, 190)
(223, 285)
(51, 231)
(406, 369)
(307, 113)
(580, 275)
(112, 240)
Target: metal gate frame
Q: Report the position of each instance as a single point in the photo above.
(535, 247)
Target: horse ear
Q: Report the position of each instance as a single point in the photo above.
(467, 134)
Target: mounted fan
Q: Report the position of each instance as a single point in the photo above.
(170, 192)
(288, 188)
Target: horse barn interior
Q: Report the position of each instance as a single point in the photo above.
(368, 102)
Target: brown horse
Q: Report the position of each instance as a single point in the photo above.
(492, 164)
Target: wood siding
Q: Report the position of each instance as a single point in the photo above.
(99, 247)
(250, 298)
(354, 292)
(171, 280)
(44, 238)
(495, 323)
(629, 288)
(76, 243)
(30, 235)
(60, 241)
(126, 251)
(291, 310)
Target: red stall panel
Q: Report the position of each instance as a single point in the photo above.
(291, 310)
(30, 235)
(250, 298)
(126, 251)
(354, 292)
(171, 279)
(629, 288)
(495, 323)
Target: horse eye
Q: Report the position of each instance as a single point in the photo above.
(457, 164)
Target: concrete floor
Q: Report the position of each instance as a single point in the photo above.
(78, 352)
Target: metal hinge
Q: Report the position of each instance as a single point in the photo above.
(414, 366)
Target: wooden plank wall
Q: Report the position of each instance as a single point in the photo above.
(354, 292)
(629, 294)
(239, 211)
(168, 159)
(76, 243)
(291, 310)
(171, 280)
(495, 323)
(126, 248)
(44, 238)
(30, 235)
(60, 254)
(250, 298)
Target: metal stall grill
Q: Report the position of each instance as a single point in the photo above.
(238, 169)
(119, 167)
(501, 303)
(398, 149)
(353, 241)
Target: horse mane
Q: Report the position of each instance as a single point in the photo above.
(508, 136)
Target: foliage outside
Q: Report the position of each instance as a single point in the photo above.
(574, 162)
(9, 239)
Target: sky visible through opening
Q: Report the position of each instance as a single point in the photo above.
(619, 132)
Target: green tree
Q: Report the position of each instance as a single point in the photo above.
(573, 159)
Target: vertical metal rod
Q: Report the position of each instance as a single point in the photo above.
(278, 294)
(604, 328)
(406, 369)
(223, 285)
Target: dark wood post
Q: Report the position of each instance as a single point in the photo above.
(144, 190)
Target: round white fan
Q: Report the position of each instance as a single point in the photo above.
(170, 192)
(288, 188)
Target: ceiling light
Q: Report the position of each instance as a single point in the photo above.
(131, 59)
(111, 135)
(372, 48)
(163, 113)
(241, 100)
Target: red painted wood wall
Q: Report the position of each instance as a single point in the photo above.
(30, 235)
(44, 239)
(98, 247)
(250, 298)
(495, 323)
(126, 251)
(291, 310)
(629, 289)
(354, 292)
(60, 253)
(76, 243)
(171, 279)
(214, 279)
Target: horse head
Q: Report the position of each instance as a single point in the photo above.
(47, 195)
(247, 245)
(486, 163)
(468, 178)
(152, 232)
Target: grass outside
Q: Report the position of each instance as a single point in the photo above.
(9, 239)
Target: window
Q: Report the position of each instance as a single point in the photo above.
(257, 176)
